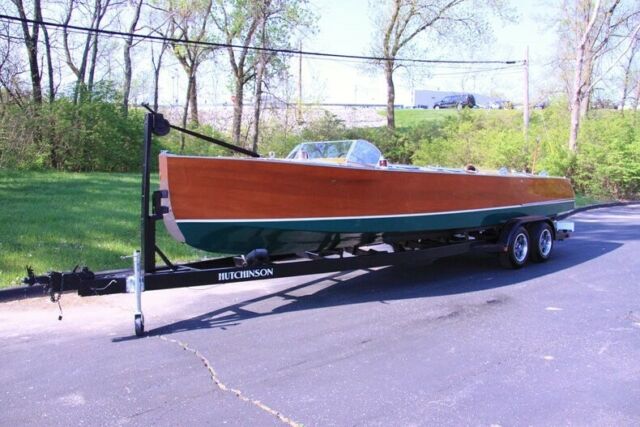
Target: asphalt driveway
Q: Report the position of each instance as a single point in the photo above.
(458, 342)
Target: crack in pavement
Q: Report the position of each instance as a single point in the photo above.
(222, 386)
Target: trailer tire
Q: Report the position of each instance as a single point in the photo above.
(517, 249)
(542, 240)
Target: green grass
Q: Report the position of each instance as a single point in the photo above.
(54, 220)
(582, 200)
(411, 118)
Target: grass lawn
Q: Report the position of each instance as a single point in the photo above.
(582, 200)
(411, 118)
(54, 220)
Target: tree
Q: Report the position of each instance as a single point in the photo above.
(84, 68)
(11, 67)
(244, 23)
(278, 20)
(628, 72)
(128, 44)
(31, 43)
(189, 21)
(47, 48)
(238, 21)
(594, 26)
(399, 23)
(156, 62)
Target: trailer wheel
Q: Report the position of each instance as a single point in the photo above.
(542, 237)
(139, 324)
(517, 250)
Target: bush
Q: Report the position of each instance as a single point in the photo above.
(93, 135)
(608, 161)
(476, 137)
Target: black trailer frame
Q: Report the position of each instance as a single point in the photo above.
(146, 275)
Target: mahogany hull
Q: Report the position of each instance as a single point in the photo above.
(233, 205)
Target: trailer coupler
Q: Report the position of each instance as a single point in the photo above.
(54, 283)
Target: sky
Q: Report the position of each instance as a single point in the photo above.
(344, 27)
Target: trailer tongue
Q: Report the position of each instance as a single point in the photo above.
(514, 240)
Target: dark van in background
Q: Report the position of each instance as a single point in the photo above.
(456, 101)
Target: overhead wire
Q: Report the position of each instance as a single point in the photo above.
(151, 37)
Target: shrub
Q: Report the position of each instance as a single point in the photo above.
(93, 135)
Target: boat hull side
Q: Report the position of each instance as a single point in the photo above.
(319, 234)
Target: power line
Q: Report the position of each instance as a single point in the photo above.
(152, 37)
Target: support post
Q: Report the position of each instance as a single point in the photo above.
(147, 224)
(138, 278)
(525, 106)
(299, 109)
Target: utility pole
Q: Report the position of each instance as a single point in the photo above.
(525, 109)
(299, 109)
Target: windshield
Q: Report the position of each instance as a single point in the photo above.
(358, 151)
(321, 150)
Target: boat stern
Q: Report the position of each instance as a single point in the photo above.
(168, 217)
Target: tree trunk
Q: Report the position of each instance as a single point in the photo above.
(585, 100)
(156, 75)
(576, 99)
(100, 11)
(126, 87)
(126, 90)
(47, 47)
(193, 97)
(92, 64)
(627, 76)
(156, 79)
(31, 43)
(585, 45)
(185, 113)
(636, 102)
(79, 72)
(257, 104)
(391, 95)
(237, 108)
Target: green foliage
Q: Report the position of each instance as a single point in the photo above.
(608, 162)
(93, 135)
(475, 137)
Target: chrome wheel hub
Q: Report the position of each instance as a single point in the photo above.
(520, 248)
(545, 243)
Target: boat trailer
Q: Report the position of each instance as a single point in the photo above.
(146, 275)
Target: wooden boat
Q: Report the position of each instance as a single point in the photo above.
(329, 195)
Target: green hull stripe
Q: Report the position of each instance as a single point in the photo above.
(295, 236)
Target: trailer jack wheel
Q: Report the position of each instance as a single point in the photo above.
(139, 324)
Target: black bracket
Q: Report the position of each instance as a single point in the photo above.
(157, 209)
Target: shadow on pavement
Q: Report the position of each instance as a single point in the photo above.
(470, 273)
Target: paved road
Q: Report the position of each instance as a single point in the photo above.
(459, 342)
